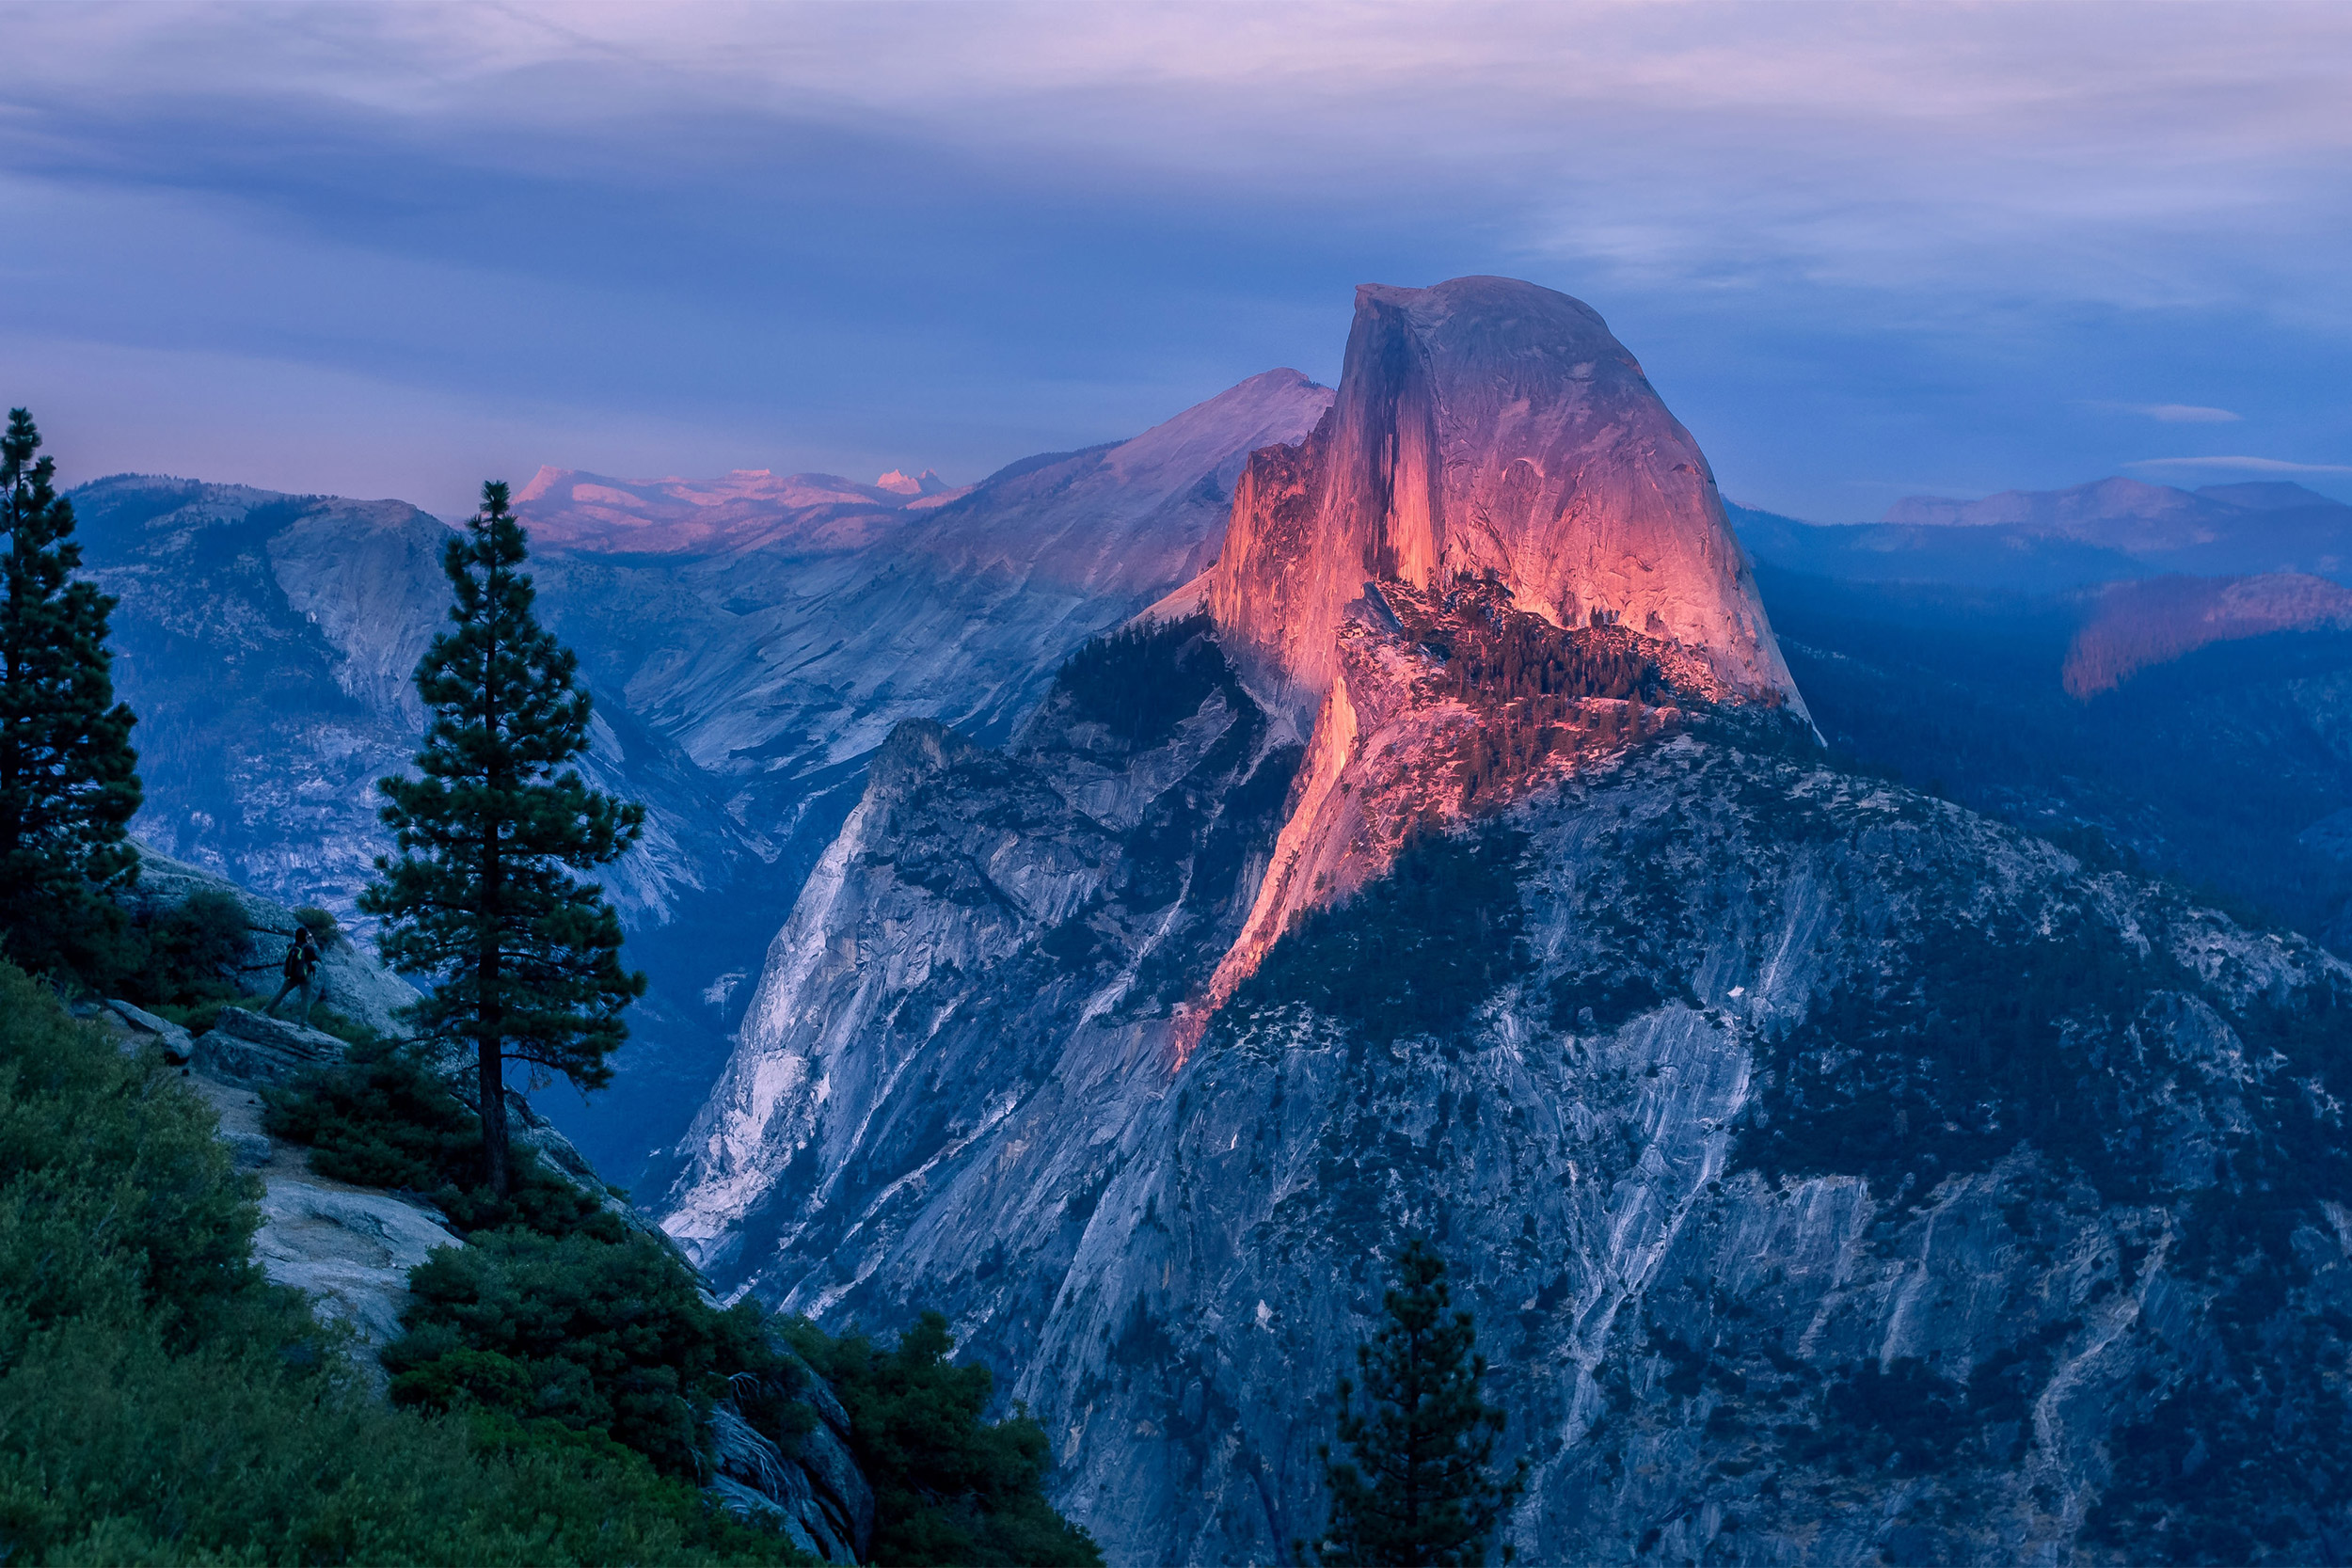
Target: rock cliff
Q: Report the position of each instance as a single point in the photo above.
(1488, 426)
(1837, 1175)
(1833, 1172)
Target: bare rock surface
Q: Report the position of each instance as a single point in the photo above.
(1486, 425)
(1836, 1176)
(175, 1041)
(253, 1049)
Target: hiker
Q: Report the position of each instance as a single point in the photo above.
(302, 966)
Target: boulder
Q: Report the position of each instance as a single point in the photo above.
(254, 1049)
(350, 1251)
(177, 1043)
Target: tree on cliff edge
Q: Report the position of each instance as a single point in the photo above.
(1420, 1487)
(67, 788)
(526, 961)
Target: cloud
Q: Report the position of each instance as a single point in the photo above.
(1836, 235)
(2188, 413)
(2248, 464)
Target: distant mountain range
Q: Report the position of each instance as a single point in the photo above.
(750, 642)
(2046, 541)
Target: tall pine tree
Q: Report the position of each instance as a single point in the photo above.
(1420, 1487)
(525, 961)
(68, 785)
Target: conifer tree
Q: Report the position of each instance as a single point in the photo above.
(525, 961)
(1419, 1487)
(68, 785)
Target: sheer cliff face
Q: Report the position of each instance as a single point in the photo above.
(1490, 426)
(750, 642)
(1834, 1174)
(1838, 1177)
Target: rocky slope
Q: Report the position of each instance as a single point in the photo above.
(350, 1248)
(1837, 1175)
(1833, 1171)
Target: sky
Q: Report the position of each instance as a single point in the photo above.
(1864, 252)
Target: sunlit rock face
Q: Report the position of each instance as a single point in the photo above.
(1488, 425)
(2135, 625)
(1836, 1176)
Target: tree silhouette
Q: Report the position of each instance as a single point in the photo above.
(526, 960)
(67, 788)
(1420, 1487)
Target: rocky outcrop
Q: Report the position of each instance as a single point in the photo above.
(2135, 625)
(1491, 427)
(173, 1040)
(349, 980)
(817, 1494)
(257, 1051)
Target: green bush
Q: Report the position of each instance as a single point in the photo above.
(383, 1117)
(189, 951)
(599, 1333)
(161, 1402)
(947, 1488)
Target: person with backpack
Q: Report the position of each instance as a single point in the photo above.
(301, 968)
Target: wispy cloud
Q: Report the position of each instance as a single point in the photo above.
(955, 232)
(2244, 465)
(2188, 413)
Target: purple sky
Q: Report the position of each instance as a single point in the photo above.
(1864, 252)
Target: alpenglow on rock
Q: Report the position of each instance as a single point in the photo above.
(1488, 425)
(1838, 1177)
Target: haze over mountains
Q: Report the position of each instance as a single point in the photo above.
(2046, 541)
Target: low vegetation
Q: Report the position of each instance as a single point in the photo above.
(1416, 951)
(948, 1487)
(160, 1402)
(561, 1315)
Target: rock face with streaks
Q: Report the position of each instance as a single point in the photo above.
(1492, 427)
(1836, 1176)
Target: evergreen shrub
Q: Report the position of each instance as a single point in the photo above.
(161, 1403)
(948, 1488)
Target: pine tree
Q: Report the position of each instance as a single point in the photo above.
(67, 788)
(1420, 1487)
(526, 960)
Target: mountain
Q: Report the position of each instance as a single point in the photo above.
(2226, 763)
(750, 642)
(751, 507)
(1837, 1173)
(1488, 427)
(2052, 540)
